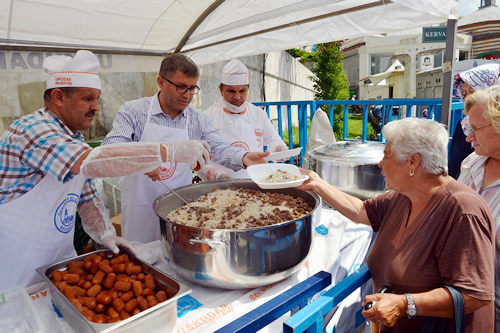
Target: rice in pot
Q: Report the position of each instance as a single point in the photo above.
(241, 208)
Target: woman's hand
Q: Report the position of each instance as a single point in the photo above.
(312, 182)
(386, 309)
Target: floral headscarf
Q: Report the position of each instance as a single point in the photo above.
(479, 78)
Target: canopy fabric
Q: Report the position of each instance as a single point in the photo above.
(206, 30)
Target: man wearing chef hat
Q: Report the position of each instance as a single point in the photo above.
(240, 123)
(167, 117)
(46, 170)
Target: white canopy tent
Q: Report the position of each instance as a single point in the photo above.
(206, 30)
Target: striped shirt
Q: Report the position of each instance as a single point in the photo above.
(131, 119)
(37, 145)
(472, 174)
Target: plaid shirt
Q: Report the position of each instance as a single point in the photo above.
(37, 145)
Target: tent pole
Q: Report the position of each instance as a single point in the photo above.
(449, 60)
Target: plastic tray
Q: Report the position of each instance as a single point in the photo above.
(18, 313)
(259, 172)
(283, 154)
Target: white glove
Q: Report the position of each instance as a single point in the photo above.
(194, 152)
(215, 173)
(96, 223)
(114, 242)
(277, 147)
(121, 159)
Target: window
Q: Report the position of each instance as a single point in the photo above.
(380, 62)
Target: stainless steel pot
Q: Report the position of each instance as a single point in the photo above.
(234, 258)
(351, 166)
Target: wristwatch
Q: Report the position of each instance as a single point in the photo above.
(412, 309)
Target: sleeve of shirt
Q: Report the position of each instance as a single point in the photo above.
(89, 190)
(44, 146)
(377, 207)
(220, 150)
(127, 126)
(466, 260)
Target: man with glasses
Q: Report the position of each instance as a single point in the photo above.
(166, 117)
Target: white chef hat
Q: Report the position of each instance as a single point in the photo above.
(80, 71)
(235, 73)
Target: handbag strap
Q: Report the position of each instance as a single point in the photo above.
(458, 309)
(434, 324)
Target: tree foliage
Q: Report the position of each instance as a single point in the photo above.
(330, 80)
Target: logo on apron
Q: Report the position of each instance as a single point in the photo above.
(167, 170)
(240, 144)
(64, 218)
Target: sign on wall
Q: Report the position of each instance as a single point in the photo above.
(433, 34)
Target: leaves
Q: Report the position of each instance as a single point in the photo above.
(330, 80)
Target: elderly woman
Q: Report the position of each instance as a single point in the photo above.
(477, 78)
(481, 169)
(432, 231)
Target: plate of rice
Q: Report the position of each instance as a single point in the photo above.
(276, 175)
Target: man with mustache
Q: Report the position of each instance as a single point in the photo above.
(166, 117)
(46, 172)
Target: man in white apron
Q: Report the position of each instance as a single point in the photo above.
(240, 123)
(166, 117)
(46, 170)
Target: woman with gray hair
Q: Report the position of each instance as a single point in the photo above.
(481, 169)
(432, 231)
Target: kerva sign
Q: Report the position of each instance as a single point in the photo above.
(433, 34)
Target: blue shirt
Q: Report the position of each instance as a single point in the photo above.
(131, 119)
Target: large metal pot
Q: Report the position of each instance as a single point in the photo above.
(234, 258)
(351, 166)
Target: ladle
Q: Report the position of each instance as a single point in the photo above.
(194, 208)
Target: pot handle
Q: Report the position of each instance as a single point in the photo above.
(210, 242)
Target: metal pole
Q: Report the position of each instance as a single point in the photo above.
(449, 60)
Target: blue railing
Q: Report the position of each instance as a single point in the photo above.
(299, 112)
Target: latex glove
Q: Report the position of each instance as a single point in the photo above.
(121, 159)
(194, 152)
(215, 173)
(278, 148)
(114, 243)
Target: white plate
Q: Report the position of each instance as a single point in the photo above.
(259, 172)
(283, 154)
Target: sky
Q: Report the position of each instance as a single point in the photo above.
(467, 7)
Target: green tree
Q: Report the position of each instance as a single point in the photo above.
(330, 80)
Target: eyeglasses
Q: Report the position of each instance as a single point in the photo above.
(183, 89)
(474, 129)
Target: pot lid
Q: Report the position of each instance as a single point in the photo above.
(355, 152)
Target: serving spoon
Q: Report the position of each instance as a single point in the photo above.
(198, 209)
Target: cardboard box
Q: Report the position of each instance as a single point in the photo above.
(117, 223)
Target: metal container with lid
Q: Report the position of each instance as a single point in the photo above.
(351, 166)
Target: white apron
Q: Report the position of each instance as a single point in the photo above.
(138, 192)
(37, 229)
(238, 134)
